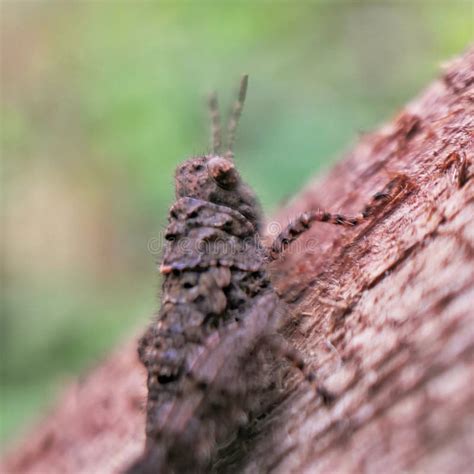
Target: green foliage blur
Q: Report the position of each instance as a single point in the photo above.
(101, 100)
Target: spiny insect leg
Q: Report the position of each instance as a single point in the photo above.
(235, 116)
(280, 347)
(303, 222)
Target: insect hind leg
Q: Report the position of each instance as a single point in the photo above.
(282, 348)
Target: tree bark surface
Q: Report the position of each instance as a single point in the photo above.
(383, 313)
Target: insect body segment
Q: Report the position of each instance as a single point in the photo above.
(201, 234)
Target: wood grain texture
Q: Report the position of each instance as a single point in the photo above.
(382, 312)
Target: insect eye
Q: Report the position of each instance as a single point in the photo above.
(227, 226)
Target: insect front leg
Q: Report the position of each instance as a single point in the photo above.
(303, 222)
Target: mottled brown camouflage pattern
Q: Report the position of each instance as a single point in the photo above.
(201, 352)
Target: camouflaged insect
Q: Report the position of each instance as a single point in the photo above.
(207, 350)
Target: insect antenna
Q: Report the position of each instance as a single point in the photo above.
(216, 138)
(235, 115)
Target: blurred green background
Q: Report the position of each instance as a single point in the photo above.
(99, 102)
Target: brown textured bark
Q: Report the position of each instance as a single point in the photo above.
(383, 313)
